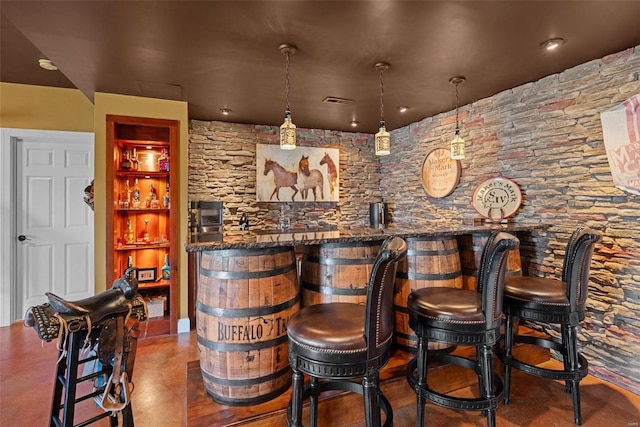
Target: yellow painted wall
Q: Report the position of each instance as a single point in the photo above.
(44, 108)
(106, 103)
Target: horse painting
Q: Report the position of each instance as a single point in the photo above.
(281, 178)
(309, 179)
(332, 172)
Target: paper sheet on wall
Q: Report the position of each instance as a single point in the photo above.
(621, 133)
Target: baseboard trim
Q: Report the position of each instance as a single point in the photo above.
(184, 325)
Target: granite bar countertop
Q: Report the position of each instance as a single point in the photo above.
(267, 238)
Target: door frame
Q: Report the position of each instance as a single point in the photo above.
(8, 211)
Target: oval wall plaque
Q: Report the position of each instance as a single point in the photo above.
(440, 173)
(497, 198)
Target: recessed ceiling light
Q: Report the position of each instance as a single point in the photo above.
(225, 111)
(354, 123)
(552, 44)
(403, 108)
(47, 64)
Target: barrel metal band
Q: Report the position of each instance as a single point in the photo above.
(262, 310)
(417, 252)
(328, 290)
(228, 253)
(338, 261)
(247, 274)
(423, 276)
(400, 309)
(358, 244)
(247, 381)
(259, 345)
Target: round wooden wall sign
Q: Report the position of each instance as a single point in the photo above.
(497, 198)
(440, 173)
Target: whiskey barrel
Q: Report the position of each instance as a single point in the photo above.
(337, 272)
(430, 262)
(471, 247)
(244, 300)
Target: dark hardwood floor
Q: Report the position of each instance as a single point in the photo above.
(169, 392)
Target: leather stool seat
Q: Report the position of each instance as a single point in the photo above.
(332, 333)
(337, 343)
(552, 301)
(462, 317)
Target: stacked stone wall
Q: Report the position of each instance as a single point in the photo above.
(222, 166)
(547, 137)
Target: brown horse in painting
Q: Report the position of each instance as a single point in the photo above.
(281, 178)
(309, 179)
(332, 172)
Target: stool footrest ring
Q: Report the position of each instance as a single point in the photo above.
(459, 403)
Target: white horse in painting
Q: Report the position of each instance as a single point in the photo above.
(309, 179)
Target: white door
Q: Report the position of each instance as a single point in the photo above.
(54, 227)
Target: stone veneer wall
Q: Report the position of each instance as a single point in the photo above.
(544, 135)
(547, 137)
(222, 166)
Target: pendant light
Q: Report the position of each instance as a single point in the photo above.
(382, 138)
(457, 143)
(287, 129)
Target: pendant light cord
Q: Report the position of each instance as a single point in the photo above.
(288, 111)
(457, 123)
(381, 98)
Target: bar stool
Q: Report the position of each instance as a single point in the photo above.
(466, 318)
(336, 343)
(552, 301)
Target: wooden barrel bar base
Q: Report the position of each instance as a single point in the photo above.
(471, 247)
(430, 262)
(337, 272)
(244, 300)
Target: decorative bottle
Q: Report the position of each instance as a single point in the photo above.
(163, 160)
(127, 195)
(135, 195)
(134, 160)
(166, 199)
(125, 163)
(153, 195)
(166, 268)
(128, 236)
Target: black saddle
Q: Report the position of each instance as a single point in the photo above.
(120, 299)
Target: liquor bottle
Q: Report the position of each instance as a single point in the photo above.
(128, 235)
(166, 268)
(163, 161)
(130, 268)
(153, 195)
(134, 160)
(125, 164)
(135, 195)
(127, 195)
(166, 199)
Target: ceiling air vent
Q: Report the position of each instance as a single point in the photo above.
(336, 100)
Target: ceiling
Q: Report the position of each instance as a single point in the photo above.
(224, 54)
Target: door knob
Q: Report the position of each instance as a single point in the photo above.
(22, 237)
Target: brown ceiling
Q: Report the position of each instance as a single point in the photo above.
(224, 54)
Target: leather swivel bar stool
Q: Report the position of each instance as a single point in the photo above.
(464, 318)
(552, 301)
(337, 343)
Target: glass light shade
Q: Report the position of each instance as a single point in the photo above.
(287, 134)
(383, 142)
(457, 148)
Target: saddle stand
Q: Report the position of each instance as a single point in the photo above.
(105, 328)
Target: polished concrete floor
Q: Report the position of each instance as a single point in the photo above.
(160, 377)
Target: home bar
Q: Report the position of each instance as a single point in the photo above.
(335, 213)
